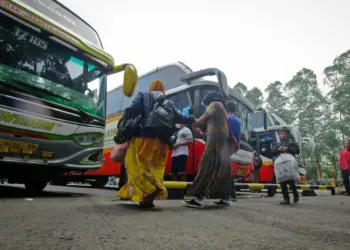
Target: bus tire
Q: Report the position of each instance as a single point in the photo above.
(308, 193)
(35, 186)
(176, 194)
(99, 182)
(123, 178)
(59, 183)
(272, 191)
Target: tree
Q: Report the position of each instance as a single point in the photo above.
(277, 101)
(255, 96)
(241, 88)
(306, 102)
(337, 77)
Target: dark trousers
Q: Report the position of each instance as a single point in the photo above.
(285, 192)
(345, 174)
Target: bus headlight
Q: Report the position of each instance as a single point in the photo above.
(88, 139)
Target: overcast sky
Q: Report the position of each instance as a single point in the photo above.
(252, 41)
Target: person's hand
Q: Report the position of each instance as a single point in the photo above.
(194, 126)
(175, 146)
(283, 149)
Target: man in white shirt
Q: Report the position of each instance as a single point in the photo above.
(180, 153)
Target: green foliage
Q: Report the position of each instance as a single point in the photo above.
(337, 77)
(277, 101)
(320, 117)
(255, 96)
(241, 88)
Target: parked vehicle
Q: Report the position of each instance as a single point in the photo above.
(187, 89)
(53, 84)
(264, 136)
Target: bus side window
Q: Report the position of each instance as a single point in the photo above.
(114, 100)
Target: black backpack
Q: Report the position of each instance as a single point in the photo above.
(160, 123)
(128, 126)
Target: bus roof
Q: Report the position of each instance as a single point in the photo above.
(56, 11)
(186, 69)
(241, 98)
(180, 65)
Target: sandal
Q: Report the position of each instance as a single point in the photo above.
(146, 205)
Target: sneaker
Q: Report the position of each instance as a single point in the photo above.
(222, 203)
(193, 203)
(296, 199)
(285, 202)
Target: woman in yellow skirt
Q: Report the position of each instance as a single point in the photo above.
(147, 155)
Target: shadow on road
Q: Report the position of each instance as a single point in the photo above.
(132, 207)
(18, 192)
(88, 187)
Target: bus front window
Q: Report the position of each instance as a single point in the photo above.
(182, 102)
(38, 65)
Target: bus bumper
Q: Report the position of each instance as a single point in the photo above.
(72, 162)
(64, 154)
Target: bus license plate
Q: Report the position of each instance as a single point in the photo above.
(16, 147)
(241, 171)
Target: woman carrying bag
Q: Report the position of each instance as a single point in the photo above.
(214, 177)
(147, 155)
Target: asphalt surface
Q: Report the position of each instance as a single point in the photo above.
(85, 218)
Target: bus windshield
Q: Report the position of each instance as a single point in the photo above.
(32, 62)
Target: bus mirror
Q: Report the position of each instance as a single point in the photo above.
(130, 80)
(265, 120)
(130, 77)
(264, 111)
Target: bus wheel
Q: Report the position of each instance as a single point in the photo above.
(272, 191)
(35, 186)
(308, 193)
(123, 178)
(59, 183)
(99, 182)
(176, 194)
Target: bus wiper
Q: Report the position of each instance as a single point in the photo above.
(86, 117)
(43, 90)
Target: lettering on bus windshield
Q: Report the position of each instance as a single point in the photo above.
(64, 17)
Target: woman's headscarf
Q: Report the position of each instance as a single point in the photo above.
(157, 85)
(212, 96)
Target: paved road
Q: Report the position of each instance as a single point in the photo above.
(84, 218)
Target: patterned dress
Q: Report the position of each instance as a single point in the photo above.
(214, 178)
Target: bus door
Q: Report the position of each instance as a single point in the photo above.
(183, 101)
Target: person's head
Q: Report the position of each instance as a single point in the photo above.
(231, 107)
(347, 144)
(284, 133)
(212, 96)
(157, 85)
